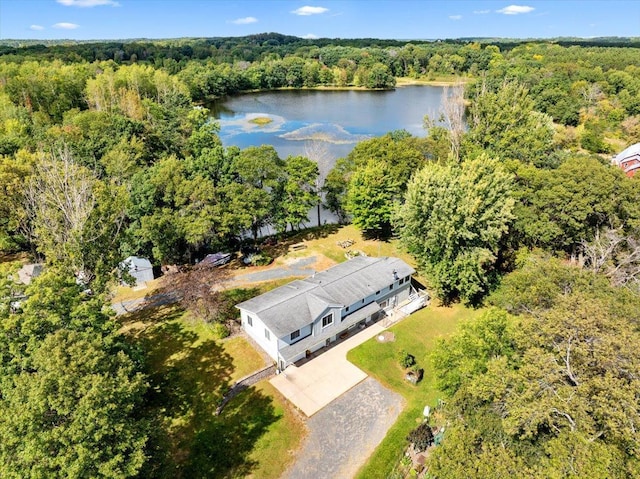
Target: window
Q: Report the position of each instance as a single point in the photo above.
(401, 281)
(347, 310)
(295, 334)
(377, 292)
(390, 287)
(327, 320)
(266, 334)
(250, 320)
(407, 278)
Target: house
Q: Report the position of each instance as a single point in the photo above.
(139, 268)
(294, 320)
(628, 160)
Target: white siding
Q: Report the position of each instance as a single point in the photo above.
(256, 331)
(286, 341)
(401, 291)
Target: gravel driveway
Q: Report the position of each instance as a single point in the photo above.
(343, 435)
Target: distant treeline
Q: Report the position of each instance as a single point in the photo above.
(250, 47)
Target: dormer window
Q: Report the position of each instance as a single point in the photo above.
(295, 335)
(327, 320)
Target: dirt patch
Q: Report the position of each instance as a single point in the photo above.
(386, 337)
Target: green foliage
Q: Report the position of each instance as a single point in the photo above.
(421, 437)
(557, 386)
(70, 388)
(468, 353)
(366, 182)
(371, 196)
(405, 359)
(453, 221)
(505, 125)
(557, 209)
(298, 192)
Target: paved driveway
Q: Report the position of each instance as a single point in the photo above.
(345, 433)
(316, 383)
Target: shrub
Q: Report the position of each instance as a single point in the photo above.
(220, 330)
(421, 437)
(406, 360)
(258, 259)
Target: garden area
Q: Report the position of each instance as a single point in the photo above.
(414, 336)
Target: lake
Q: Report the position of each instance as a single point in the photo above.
(330, 122)
(323, 125)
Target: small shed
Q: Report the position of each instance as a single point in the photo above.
(28, 272)
(139, 268)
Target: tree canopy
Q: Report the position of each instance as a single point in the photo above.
(454, 220)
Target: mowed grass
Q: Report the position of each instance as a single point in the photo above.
(189, 370)
(325, 241)
(417, 335)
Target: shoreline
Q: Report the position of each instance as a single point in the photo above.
(400, 82)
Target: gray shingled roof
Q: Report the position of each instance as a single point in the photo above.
(290, 353)
(298, 303)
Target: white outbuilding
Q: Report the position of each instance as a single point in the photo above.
(139, 268)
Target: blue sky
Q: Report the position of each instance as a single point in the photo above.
(399, 19)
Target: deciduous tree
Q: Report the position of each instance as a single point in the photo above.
(453, 221)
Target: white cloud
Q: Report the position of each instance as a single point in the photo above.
(310, 36)
(455, 17)
(244, 21)
(515, 9)
(87, 3)
(481, 12)
(36, 27)
(66, 26)
(307, 10)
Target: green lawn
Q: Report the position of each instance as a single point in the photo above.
(189, 370)
(415, 334)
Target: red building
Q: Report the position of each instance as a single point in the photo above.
(628, 160)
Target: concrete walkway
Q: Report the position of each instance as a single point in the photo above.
(345, 433)
(316, 383)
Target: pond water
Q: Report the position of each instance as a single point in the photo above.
(323, 125)
(329, 121)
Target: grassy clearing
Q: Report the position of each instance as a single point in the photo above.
(189, 370)
(439, 80)
(127, 293)
(325, 240)
(417, 335)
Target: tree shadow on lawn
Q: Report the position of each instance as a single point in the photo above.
(187, 379)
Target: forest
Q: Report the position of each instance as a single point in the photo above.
(509, 201)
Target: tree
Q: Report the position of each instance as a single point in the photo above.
(558, 209)
(70, 387)
(399, 153)
(555, 391)
(504, 124)
(452, 115)
(72, 414)
(75, 220)
(14, 172)
(615, 255)
(453, 221)
(370, 198)
(298, 192)
(198, 288)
